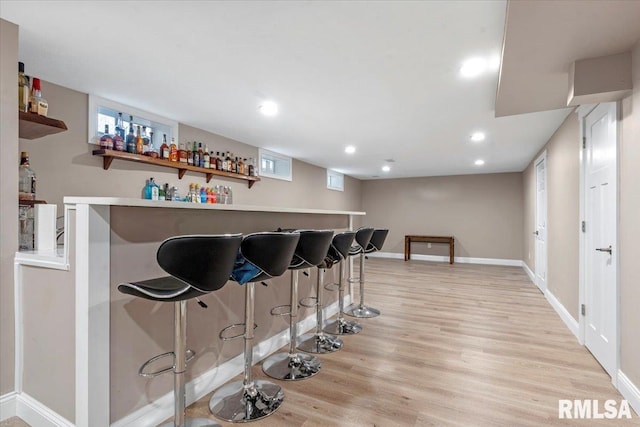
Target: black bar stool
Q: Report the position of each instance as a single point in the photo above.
(197, 265)
(250, 399)
(319, 342)
(374, 244)
(310, 252)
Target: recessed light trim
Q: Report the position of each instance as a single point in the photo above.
(479, 162)
(386, 168)
(268, 108)
(478, 136)
(350, 149)
(473, 67)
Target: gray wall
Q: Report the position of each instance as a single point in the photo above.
(563, 216)
(629, 228)
(483, 213)
(9, 160)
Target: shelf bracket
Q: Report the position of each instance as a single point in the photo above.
(106, 162)
(209, 176)
(181, 173)
(250, 183)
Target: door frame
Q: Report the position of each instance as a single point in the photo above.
(541, 158)
(583, 111)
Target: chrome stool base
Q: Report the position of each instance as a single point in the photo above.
(356, 310)
(342, 327)
(194, 422)
(314, 343)
(237, 404)
(283, 366)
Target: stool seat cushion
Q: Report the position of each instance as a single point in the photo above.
(160, 289)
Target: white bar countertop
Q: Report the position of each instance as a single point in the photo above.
(142, 203)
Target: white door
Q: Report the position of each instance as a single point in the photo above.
(600, 297)
(541, 223)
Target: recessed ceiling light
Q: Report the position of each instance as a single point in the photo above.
(473, 67)
(477, 136)
(268, 108)
(350, 149)
(479, 162)
(386, 168)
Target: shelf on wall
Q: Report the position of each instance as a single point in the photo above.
(109, 155)
(34, 126)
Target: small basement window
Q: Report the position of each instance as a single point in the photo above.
(274, 165)
(105, 112)
(335, 180)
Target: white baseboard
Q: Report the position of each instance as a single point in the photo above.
(566, 317)
(629, 391)
(530, 273)
(162, 408)
(8, 405)
(458, 259)
(30, 411)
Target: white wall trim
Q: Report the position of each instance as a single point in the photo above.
(629, 391)
(530, 273)
(566, 317)
(440, 258)
(162, 408)
(8, 405)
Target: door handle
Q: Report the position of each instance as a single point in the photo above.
(609, 249)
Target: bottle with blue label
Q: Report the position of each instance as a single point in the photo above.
(151, 190)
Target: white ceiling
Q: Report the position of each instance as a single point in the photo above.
(383, 76)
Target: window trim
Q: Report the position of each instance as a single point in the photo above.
(96, 101)
(278, 156)
(333, 173)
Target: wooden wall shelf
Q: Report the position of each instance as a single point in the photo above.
(34, 126)
(109, 155)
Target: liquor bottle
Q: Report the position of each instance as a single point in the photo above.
(151, 190)
(246, 167)
(240, 166)
(218, 161)
(226, 162)
(139, 142)
(182, 154)
(173, 150)
(23, 89)
(252, 171)
(195, 155)
(146, 149)
(229, 196)
(189, 154)
(145, 138)
(118, 142)
(164, 148)
(234, 164)
(120, 127)
(106, 142)
(37, 104)
(212, 160)
(27, 179)
(131, 138)
(152, 146)
(200, 162)
(206, 158)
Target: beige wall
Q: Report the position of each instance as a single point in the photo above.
(563, 216)
(65, 166)
(629, 228)
(9, 160)
(482, 212)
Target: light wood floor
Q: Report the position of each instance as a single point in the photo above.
(458, 344)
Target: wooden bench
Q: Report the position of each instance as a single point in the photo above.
(428, 239)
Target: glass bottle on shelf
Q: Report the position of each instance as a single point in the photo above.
(200, 162)
(26, 196)
(182, 154)
(37, 104)
(218, 161)
(139, 142)
(206, 158)
(173, 150)
(195, 155)
(120, 127)
(27, 179)
(252, 171)
(164, 148)
(245, 169)
(106, 141)
(23, 89)
(131, 138)
(145, 138)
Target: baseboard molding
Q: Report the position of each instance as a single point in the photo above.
(566, 317)
(8, 405)
(30, 411)
(629, 391)
(439, 258)
(162, 408)
(530, 273)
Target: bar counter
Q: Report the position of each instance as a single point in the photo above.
(88, 340)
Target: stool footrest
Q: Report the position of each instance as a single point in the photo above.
(278, 310)
(304, 303)
(225, 337)
(190, 355)
(332, 287)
